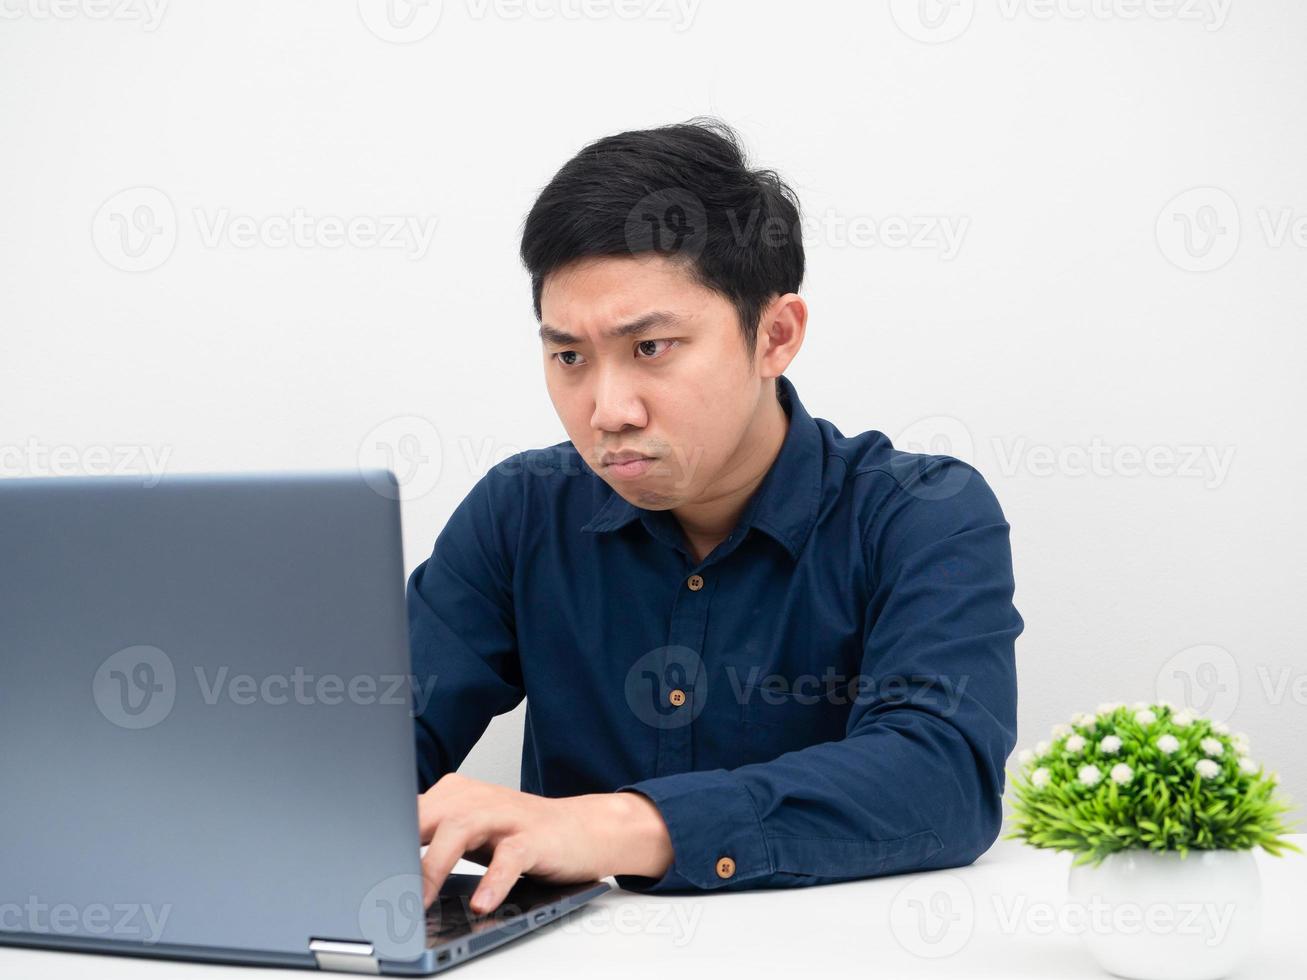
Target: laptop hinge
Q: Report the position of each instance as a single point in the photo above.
(349, 957)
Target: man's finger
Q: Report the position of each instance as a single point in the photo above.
(452, 838)
(435, 802)
(510, 860)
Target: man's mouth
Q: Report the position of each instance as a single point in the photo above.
(627, 464)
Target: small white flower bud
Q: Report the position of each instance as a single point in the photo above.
(1207, 768)
(1089, 775)
(1111, 745)
(1121, 773)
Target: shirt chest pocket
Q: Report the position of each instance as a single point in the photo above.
(777, 721)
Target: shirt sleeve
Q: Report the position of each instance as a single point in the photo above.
(462, 633)
(917, 781)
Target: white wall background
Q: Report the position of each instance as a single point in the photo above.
(1068, 338)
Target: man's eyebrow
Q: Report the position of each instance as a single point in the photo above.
(636, 328)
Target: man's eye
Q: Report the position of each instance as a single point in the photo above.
(644, 343)
(566, 353)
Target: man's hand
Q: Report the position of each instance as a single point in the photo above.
(562, 840)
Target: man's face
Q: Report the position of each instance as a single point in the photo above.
(681, 390)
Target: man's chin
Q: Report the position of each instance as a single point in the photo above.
(647, 498)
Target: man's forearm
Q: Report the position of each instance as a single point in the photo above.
(637, 839)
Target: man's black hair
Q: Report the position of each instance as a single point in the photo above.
(684, 191)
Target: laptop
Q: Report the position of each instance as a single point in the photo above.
(206, 729)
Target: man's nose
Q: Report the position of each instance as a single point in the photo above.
(618, 403)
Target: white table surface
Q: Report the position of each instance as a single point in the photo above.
(870, 929)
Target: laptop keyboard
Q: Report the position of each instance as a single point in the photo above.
(527, 903)
(450, 915)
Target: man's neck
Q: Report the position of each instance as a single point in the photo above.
(708, 520)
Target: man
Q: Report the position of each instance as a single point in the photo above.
(755, 651)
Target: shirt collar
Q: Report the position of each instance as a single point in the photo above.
(785, 504)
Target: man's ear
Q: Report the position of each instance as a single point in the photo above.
(781, 330)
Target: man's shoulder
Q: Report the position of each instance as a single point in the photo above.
(872, 462)
(539, 478)
(559, 463)
(520, 496)
(884, 479)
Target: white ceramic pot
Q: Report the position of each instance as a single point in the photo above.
(1153, 915)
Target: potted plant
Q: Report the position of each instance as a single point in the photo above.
(1162, 809)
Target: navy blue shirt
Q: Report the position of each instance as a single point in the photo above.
(830, 694)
